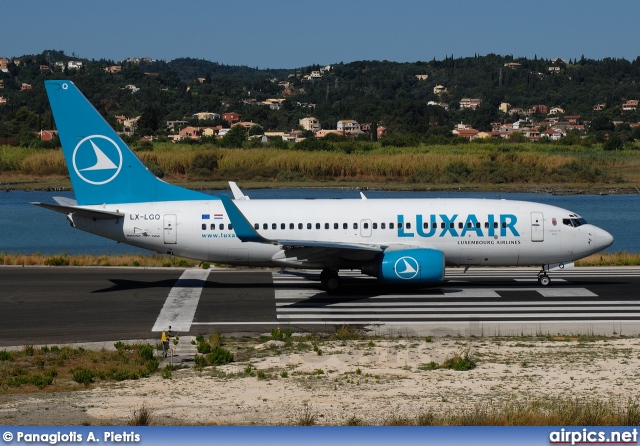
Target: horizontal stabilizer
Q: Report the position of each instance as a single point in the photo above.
(82, 212)
(64, 201)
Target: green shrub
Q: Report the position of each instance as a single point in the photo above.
(57, 261)
(5, 355)
(28, 350)
(83, 376)
(145, 352)
(200, 361)
(152, 365)
(219, 356)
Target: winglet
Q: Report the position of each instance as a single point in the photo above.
(237, 193)
(241, 225)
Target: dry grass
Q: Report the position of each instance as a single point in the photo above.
(546, 412)
(622, 258)
(426, 164)
(153, 260)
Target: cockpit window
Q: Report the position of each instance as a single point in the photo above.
(574, 222)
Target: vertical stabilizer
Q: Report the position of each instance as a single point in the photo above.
(102, 168)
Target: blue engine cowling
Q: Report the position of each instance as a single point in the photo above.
(411, 266)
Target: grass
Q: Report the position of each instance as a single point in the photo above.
(622, 258)
(542, 412)
(56, 369)
(425, 166)
(136, 260)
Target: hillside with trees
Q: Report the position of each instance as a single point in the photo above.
(381, 93)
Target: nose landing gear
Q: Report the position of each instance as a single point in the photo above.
(543, 278)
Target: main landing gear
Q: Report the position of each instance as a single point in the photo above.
(543, 278)
(330, 280)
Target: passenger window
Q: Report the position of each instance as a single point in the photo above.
(265, 226)
(460, 225)
(383, 226)
(300, 226)
(336, 226)
(213, 226)
(230, 226)
(452, 225)
(365, 225)
(204, 226)
(326, 225)
(478, 225)
(292, 226)
(495, 225)
(221, 227)
(375, 225)
(390, 225)
(282, 226)
(408, 225)
(317, 225)
(425, 225)
(274, 226)
(504, 224)
(355, 226)
(256, 226)
(469, 225)
(486, 225)
(345, 225)
(308, 225)
(399, 225)
(442, 225)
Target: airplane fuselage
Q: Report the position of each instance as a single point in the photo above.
(467, 231)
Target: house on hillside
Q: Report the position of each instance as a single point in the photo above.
(347, 125)
(470, 103)
(25, 87)
(47, 135)
(422, 77)
(310, 123)
(206, 115)
(631, 104)
(231, 117)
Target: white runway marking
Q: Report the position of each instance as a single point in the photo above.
(181, 304)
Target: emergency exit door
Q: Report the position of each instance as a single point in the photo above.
(170, 229)
(537, 227)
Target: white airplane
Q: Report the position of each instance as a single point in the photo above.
(399, 241)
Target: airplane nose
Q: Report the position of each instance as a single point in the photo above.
(603, 239)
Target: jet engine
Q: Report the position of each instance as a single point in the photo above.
(418, 265)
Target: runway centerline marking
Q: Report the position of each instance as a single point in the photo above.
(180, 307)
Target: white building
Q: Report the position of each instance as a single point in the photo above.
(310, 123)
(348, 125)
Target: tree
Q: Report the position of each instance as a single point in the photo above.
(234, 137)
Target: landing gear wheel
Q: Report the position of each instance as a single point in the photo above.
(544, 280)
(330, 280)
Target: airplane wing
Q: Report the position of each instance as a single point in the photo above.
(246, 233)
(83, 212)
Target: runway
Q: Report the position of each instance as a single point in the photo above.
(48, 305)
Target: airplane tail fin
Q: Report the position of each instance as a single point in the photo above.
(102, 168)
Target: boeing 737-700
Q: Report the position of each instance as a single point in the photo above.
(399, 241)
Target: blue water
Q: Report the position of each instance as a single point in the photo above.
(29, 229)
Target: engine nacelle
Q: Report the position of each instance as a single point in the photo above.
(408, 266)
